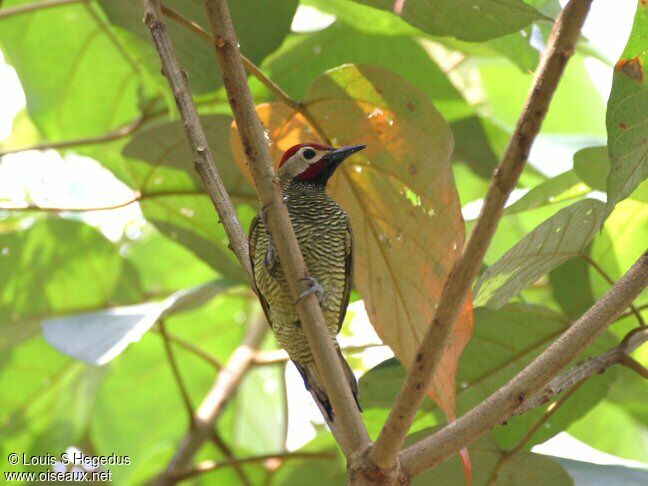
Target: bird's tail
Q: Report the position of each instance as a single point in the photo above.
(312, 382)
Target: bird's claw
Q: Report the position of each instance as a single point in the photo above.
(315, 288)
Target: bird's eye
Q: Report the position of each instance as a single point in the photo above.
(309, 154)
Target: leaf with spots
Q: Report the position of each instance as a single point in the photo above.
(400, 195)
(627, 114)
(172, 197)
(563, 236)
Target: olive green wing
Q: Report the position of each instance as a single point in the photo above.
(348, 274)
(252, 245)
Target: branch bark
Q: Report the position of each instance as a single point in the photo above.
(214, 402)
(504, 402)
(255, 146)
(559, 49)
(32, 7)
(204, 161)
(593, 366)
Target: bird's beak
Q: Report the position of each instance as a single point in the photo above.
(335, 157)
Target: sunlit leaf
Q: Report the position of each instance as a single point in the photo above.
(85, 85)
(555, 241)
(399, 193)
(627, 114)
(564, 187)
(592, 165)
(471, 20)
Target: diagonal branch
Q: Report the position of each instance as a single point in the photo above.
(255, 145)
(507, 400)
(204, 160)
(618, 354)
(559, 49)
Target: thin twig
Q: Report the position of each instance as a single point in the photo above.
(208, 466)
(214, 402)
(176, 373)
(559, 49)
(630, 312)
(121, 132)
(204, 160)
(192, 348)
(609, 280)
(221, 445)
(256, 148)
(249, 65)
(635, 366)
(32, 7)
(138, 198)
(551, 409)
(504, 403)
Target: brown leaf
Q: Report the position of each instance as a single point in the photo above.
(400, 195)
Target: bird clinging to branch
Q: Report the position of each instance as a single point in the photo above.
(324, 235)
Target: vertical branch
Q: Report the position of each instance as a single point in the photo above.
(255, 146)
(559, 49)
(204, 160)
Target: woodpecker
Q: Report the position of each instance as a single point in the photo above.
(324, 235)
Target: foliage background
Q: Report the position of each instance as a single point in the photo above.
(87, 69)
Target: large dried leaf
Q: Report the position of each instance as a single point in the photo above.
(627, 114)
(400, 195)
(561, 237)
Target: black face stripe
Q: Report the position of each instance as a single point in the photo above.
(309, 154)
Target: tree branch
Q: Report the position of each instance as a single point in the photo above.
(192, 348)
(279, 356)
(214, 402)
(593, 366)
(32, 7)
(559, 49)
(176, 372)
(255, 146)
(204, 161)
(208, 466)
(504, 402)
(609, 280)
(121, 132)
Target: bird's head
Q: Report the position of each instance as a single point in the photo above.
(312, 162)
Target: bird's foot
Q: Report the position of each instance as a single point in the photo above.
(315, 288)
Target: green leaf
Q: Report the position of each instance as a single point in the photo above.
(473, 146)
(627, 114)
(318, 52)
(630, 437)
(99, 337)
(172, 195)
(56, 266)
(555, 241)
(571, 287)
(620, 244)
(471, 20)
(76, 78)
(592, 165)
(485, 456)
(564, 187)
(503, 343)
(577, 107)
(196, 55)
